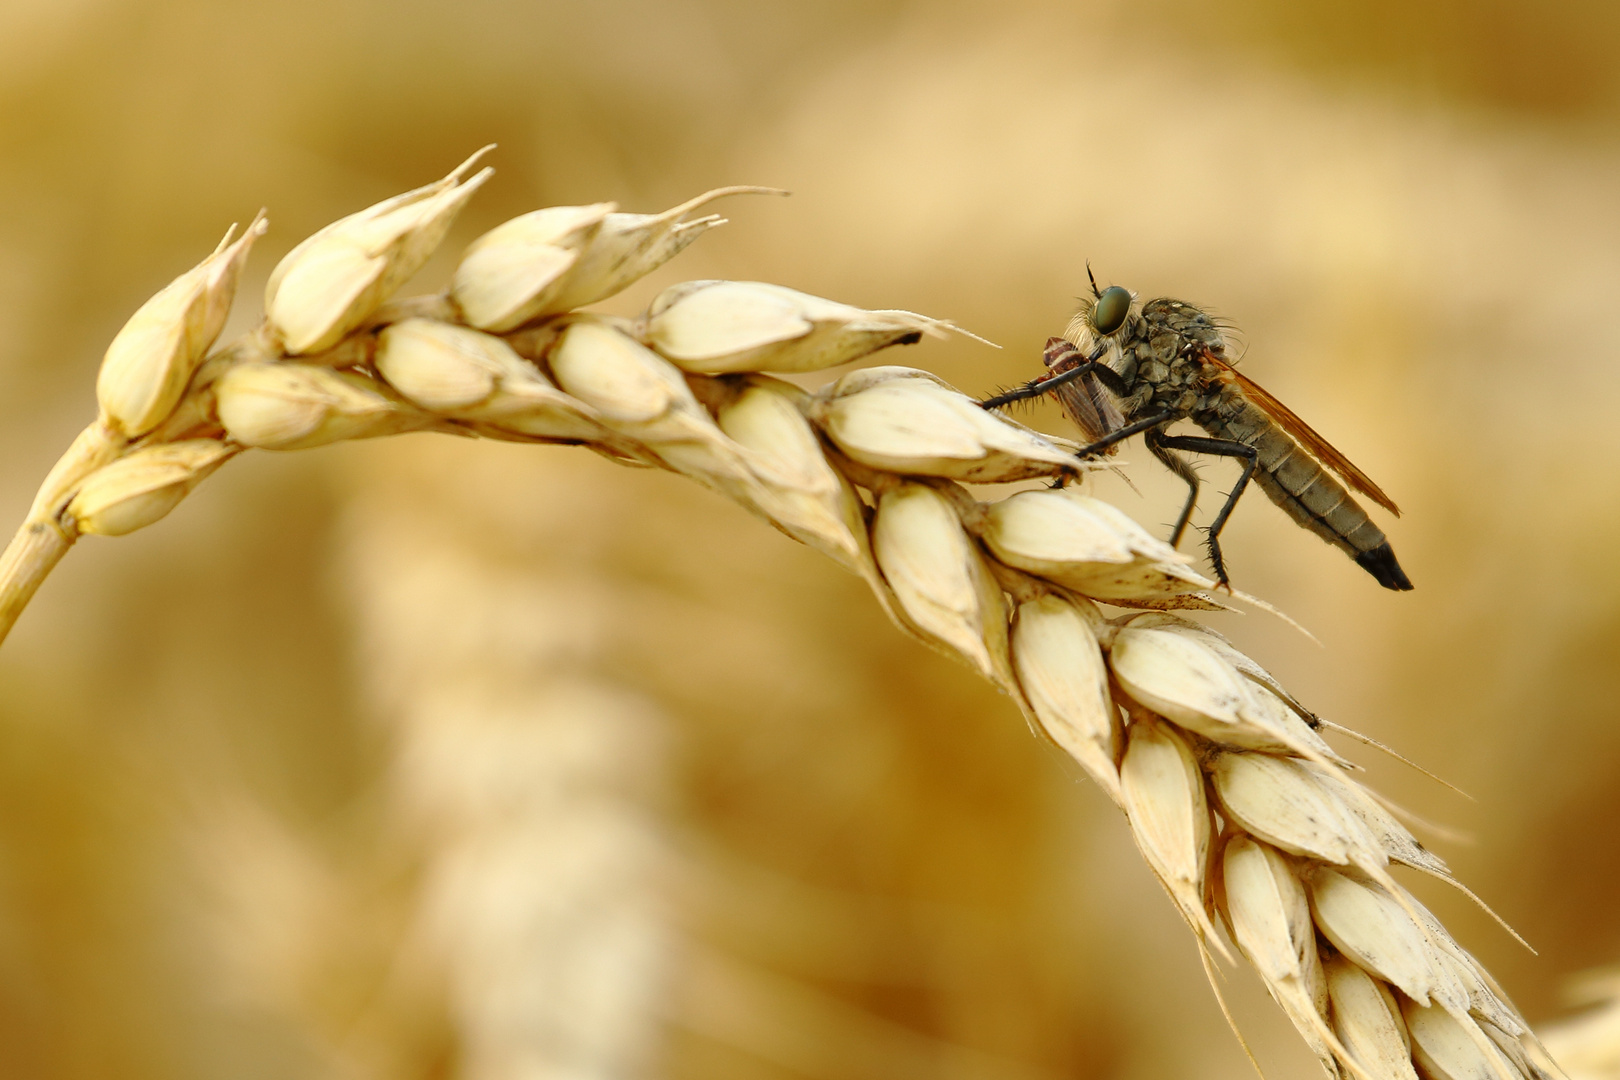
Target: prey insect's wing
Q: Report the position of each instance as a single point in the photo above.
(1092, 409)
(1086, 400)
(1305, 435)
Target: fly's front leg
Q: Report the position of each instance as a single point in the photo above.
(1179, 466)
(1198, 444)
(1033, 389)
(1124, 433)
(1058, 351)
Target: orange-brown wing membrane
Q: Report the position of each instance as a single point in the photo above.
(1302, 432)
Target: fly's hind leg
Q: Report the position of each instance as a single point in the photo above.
(1181, 468)
(1199, 444)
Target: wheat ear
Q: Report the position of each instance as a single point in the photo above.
(1246, 816)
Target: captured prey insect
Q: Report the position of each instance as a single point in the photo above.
(1123, 368)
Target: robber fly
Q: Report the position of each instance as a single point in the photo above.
(1124, 368)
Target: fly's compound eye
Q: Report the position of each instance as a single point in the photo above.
(1112, 307)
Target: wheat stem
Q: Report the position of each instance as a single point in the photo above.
(30, 557)
(44, 536)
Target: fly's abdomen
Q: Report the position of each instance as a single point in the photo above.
(1295, 481)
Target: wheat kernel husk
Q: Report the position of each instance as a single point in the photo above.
(643, 397)
(1179, 679)
(508, 276)
(1279, 801)
(1396, 841)
(1061, 670)
(1058, 535)
(1047, 531)
(333, 282)
(1367, 1019)
(298, 406)
(905, 421)
(799, 490)
(470, 375)
(1269, 912)
(1266, 910)
(618, 376)
(440, 366)
(722, 327)
(1368, 925)
(1214, 640)
(630, 246)
(150, 360)
(561, 258)
(939, 577)
(1450, 1047)
(143, 487)
(1163, 791)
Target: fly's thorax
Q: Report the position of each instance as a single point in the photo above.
(1178, 337)
(1179, 381)
(1157, 353)
(1169, 319)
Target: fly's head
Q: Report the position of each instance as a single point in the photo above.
(1107, 320)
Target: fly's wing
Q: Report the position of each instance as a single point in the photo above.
(1302, 432)
(1086, 400)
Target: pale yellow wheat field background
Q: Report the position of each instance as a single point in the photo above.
(431, 758)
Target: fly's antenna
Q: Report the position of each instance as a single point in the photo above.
(1096, 292)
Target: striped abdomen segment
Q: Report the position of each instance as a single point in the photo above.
(1308, 493)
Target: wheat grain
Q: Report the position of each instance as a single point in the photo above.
(154, 356)
(331, 283)
(1243, 812)
(724, 327)
(908, 422)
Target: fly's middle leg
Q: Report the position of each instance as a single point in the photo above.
(1199, 444)
(1179, 466)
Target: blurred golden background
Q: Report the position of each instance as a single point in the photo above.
(430, 758)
